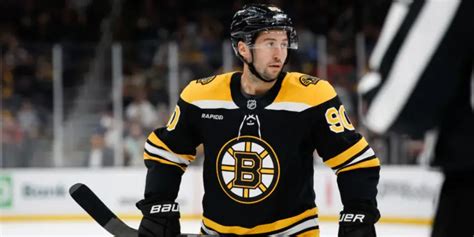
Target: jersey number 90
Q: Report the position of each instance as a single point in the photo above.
(338, 120)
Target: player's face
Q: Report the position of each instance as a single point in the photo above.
(270, 52)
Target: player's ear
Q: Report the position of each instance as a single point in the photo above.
(244, 50)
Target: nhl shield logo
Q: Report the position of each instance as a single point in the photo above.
(251, 104)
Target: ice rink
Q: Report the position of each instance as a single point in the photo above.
(90, 228)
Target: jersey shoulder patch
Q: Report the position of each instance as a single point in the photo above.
(305, 89)
(307, 80)
(205, 80)
(208, 89)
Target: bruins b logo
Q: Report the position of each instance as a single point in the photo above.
(307, 80)
(206, 80)
(247, 169)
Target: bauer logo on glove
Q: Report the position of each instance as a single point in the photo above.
(352, 218)
(162, 208)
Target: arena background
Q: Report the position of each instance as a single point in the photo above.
(80, 75)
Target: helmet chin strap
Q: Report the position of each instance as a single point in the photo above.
(254, 71)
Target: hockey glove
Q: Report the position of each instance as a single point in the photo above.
(159, 218)
(358, 221)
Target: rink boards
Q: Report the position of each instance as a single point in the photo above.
(406, 194)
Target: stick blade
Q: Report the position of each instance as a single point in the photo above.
(87, 199)
(92, 204)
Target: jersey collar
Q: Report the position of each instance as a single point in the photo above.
(257, 102)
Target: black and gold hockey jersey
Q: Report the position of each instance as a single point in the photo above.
(258, 165)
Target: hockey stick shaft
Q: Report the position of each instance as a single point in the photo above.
(87, 199)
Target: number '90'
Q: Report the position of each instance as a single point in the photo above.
(338, 120)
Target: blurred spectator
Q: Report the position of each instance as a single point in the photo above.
(209, 40)
(141, 110)
(163, 113)
(29, 123)
(133, 144)
(14, 54)
(108, 126)
(307, 51)
(157, 84)
(7, 84)
(134, 80)
(28, 119)
(99, 155)
(12, 138)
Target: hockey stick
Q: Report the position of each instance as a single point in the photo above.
(92, 204)
(87, 199)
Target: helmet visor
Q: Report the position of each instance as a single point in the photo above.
(291, 43)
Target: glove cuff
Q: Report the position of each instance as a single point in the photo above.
(153, 208)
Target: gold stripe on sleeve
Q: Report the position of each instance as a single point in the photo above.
(157, 142)
(161, 160)
(365, 164)
(347, 154)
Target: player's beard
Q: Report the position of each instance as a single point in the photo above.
(270, 74)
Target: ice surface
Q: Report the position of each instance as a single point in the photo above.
(90, 228)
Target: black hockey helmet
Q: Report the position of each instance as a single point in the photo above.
(254, 18)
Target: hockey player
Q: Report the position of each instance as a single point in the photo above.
(421, 79)
(259, 129)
